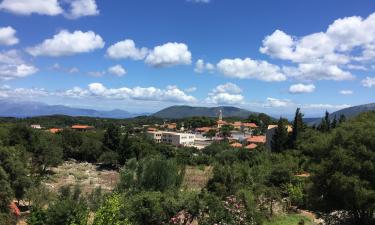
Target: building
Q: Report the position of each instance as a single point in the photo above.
(271, 131)
(261, 139)
(55, 130)
(173, 138)
(35, 126)
(82, 127)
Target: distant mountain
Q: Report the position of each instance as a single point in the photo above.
(31, 109)
(178, 112)
(347, 112)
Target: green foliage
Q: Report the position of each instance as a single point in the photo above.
(345, 178)
(109, 213)
(112, 138)
(6, 192)
(280, 138)
(298, 127)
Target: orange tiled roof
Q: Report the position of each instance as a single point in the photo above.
(82, 127)
(252, 125)
(55, 130)
(251, 146)
(203, 129)
(236, 145)
(257, 139)
(151, 129)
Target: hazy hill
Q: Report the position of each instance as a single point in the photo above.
(347, 112)
(178, 112)
(31, 109)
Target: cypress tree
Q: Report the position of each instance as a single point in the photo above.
(298, 127)
(280, 138)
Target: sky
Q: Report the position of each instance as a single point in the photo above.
(144, 55)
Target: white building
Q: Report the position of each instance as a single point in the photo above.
(173, 138)
(35, 126)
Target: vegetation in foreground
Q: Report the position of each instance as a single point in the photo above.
(246, 187)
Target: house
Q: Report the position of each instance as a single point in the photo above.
(203, 129)
(236, 145)
(173, 138)
(261, 139)
(35, 126)
(171, 126)
(82, 127)
(55, 130)
(251, 146)
(271, 131)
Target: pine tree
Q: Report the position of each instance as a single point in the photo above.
(342, 118)
(112, 138)
(298, 127)
(334, 123)
(280, 138)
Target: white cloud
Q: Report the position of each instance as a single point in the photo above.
(325, 54)
(227, 87)
(22, 93)
(80, 8)
(301, 88)
(227, 94)
(346, 92)
(169, 54)
(169, 94)
(59, 68)
(368, 82)
(27, 7)
(13, 66)
(250, 69)
(274, 102)
(117, 70)
(66, 43)
(126, 49)
(201, 67)
(8, 36)
(317, 71)
(325, 106)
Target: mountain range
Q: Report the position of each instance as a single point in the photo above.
(183, 111)
(31, 109)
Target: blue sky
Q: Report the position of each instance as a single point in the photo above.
(141, 56)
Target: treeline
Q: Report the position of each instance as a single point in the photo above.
(246, 187)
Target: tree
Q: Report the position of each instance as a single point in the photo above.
(6, 193)
(298, 127)
(109, 213)
(325, 125)
(112, 138)
(125, 152)
(160, 175)
(225, 131)
(344, 181)
(342, 118)
(280, 138)
(210, 134)
(334, 122)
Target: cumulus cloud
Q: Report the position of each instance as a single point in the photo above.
(80, 8)
(22, 93)
(8, 36)
(126, 49)
(368, 82)
(301, 88)
(346, 92)
(317, 71)
(12, 66)
(325, 106)
(349, 39)
(201, 67)
(169, 54)
(227, 94)
(169, 94)
(117, 70)
(57, 67)
(274, 102)
(27, 7)
(191, 89)
(250, 69)
(66, 43)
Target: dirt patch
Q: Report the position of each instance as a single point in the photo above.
(196, 177)
(88, 176)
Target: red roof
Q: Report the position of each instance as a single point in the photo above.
(251, 146)
(252, 125)
(257, 139)
(203, 129)
(82, 127)
(55, 130)
(151, 129)
(236, 145)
